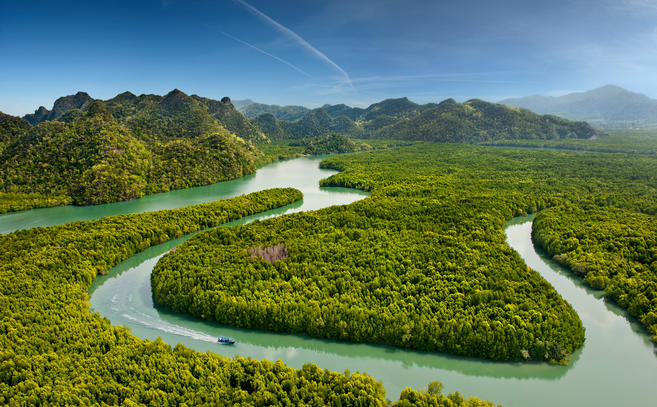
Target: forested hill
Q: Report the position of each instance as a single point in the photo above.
(289, 113)
(10, 128)
(316, 123)
(172, 115)
(122, 149)
(401, 119)
(476, 120)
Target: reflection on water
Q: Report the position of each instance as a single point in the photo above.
(594, 376)
(616, 366)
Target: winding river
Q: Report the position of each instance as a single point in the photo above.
(617, 365)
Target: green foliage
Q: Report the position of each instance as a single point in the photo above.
(316, 123)
(476, 120)
(472, 121)
(275, 129)
(162, 118)
(279, 150)
(422, 263)
(412, 398)
(124, 149)
(612, 249)
(288, 113)
(92, 160)
(390, 108)
(232, 119)
(11, 128)
(352, 113)
(618, 141)
(206, 160)
(53, 351)
(11, 202)
(174, 115)
(330, 144)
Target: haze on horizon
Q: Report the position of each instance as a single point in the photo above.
(311, 53)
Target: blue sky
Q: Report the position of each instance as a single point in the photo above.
(315, 52)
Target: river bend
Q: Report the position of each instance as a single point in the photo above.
(617, 365)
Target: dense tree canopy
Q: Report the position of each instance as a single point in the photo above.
(448, 121)
(173, 115)
(94, 158)
(53, 351)
(422, 263)
(618, 141)
(288, 113)
(612, 249)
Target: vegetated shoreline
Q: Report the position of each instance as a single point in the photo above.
(49, 335)
(642, 142)
(288, 340)
(223, 241)
(16, 202)
(585, 241)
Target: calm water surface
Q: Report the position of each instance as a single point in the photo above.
(617, 365)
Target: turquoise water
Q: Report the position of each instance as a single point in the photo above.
(617, 365)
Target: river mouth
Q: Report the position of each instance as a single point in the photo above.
(616, 366)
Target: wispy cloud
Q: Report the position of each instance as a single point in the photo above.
(643, 4)
(450, 77)
(296, 37)
(395, 82)
(296, 68)
(634, 6)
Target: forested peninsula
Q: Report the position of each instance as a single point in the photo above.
(383, 270)
(611, 249)
(54, 351)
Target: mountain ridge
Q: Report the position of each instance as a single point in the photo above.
(609, 106)
(472, 121)
(96, 151)
(136, 111)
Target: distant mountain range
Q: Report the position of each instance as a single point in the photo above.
(606, 107)
(401, 119)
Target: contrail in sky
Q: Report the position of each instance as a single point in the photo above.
(296, 68)
(296, 37)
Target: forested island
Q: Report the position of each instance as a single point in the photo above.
(612, 248)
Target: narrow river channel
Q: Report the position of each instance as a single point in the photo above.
(617, 365)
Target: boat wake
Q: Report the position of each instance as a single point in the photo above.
(158, 324)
